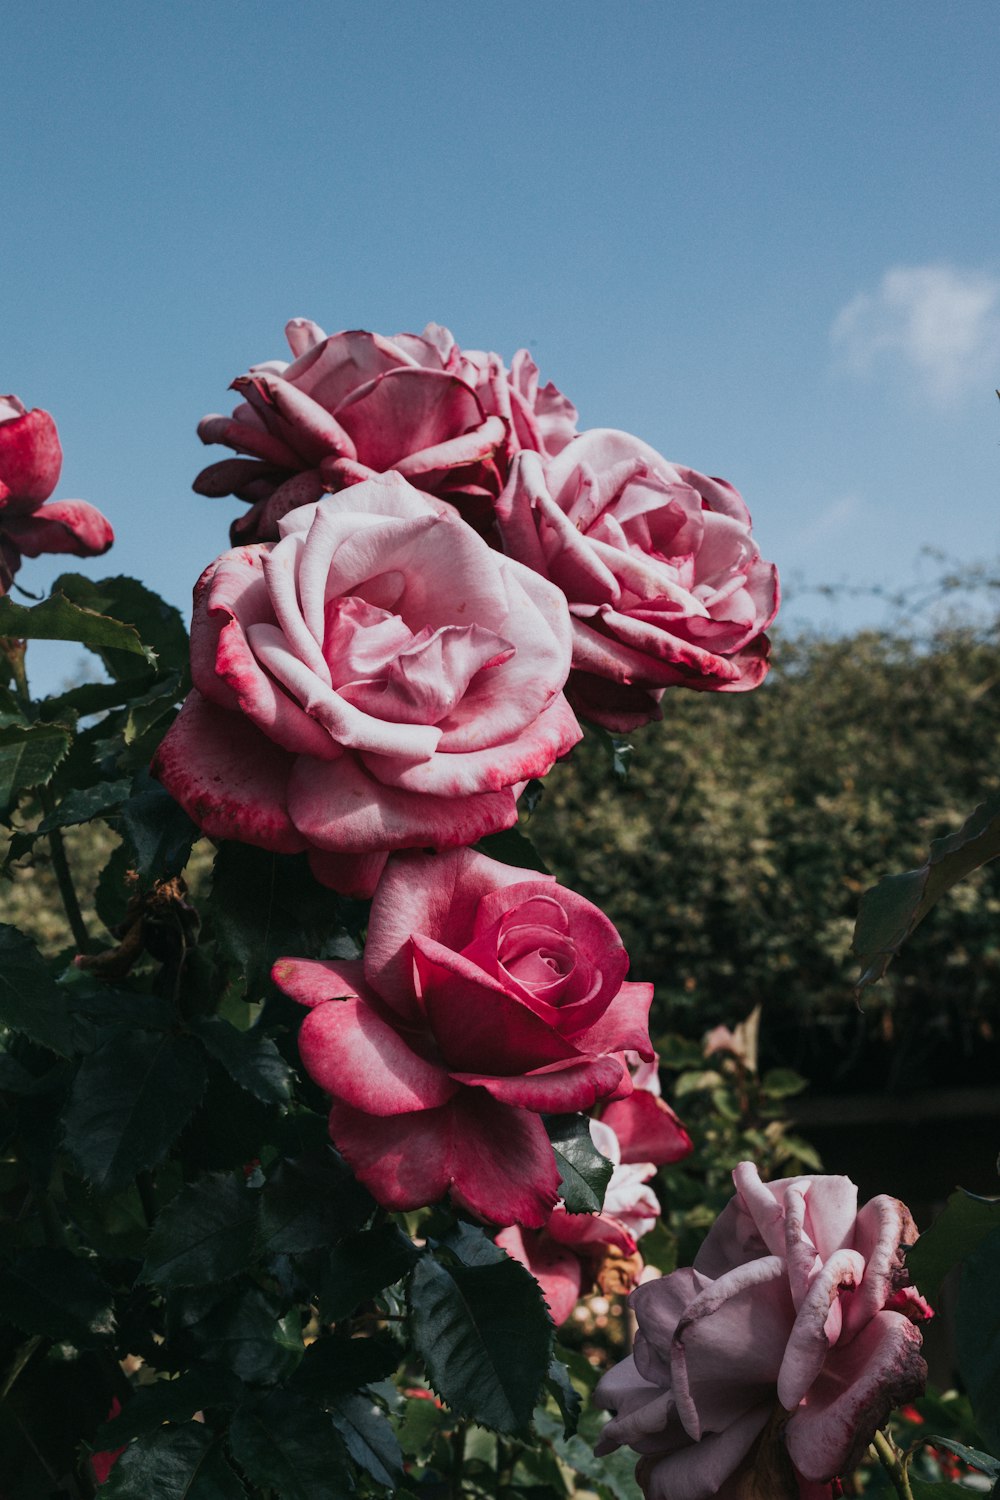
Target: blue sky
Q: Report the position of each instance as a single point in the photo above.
(764, 237)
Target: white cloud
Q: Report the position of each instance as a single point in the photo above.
(829, 521)
(937, 324)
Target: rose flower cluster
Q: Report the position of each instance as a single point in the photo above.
(436, 572)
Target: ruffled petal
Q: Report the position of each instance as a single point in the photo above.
(363, 1062)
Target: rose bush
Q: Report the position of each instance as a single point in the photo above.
(30, 523)
(666, 586)
(378, 679)
(357, 404)
(794, 1319)
(572, 1252)
(487, 996)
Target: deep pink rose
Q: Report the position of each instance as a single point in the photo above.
(786, 1322)
(30, 461)
(666, 586)
(566, 1256)
(378, 679)
(487, 996)
(646, 1128)
(357, 404)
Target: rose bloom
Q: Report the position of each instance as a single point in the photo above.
(357, 404)
(666, 586)
(487, 997)
(30, 461)
(645, 1127)
(574, 1251)
(378, 679)
(781, 1350)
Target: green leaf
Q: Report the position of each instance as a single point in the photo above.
(368, 1438)
(610, 1476)
(81, 804)
(512, 846)
(782, 1083)
(959, 1229)
(933, 1491)
(206, 1234)
(363, 1266)
(977, 1335)
(158, 829)
(422, 1420)
(249, 1057)
(244, 1332)
(584, 1172)
(173, 1463)
(473, 1246)
(972, 1456)
(198, 1389)
(57, 619)
(891, 910)
(485, 1338)
(158, 623)
(565, 1395)
(129, 1101)
(58, 1294)
(28, 758)
(335, 1366)
(310, 1202)
(287, 1445)
(30, 1000)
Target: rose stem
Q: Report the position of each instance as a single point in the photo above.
(64, 880)
(890, 1462)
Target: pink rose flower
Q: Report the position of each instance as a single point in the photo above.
(646, 1128)
(357, 404)
(487, 997)
(30, 461)
(781, 1332)
(666, 586)
(567, 1255)
(378, 679)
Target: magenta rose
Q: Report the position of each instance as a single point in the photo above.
(487, 997)
(666, 585)
(378, 679)
(30, 461)
(790, 1333)
(357, 404)
(573, 1251)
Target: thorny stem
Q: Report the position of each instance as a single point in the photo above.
(457, 1462)
(889, 1458)
(64, 879)
(14, 649)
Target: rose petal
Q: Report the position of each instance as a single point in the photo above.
(363, 1062)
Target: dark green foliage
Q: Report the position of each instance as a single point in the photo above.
(368, 1438)
(485, 1338)
(30, 1001)
(204, 1235)
(199, 1389)
(287, 1445)
(584, 1173)
(957, 1232)
(174, 1463)
(130, 1100)
(361, 1267)
(733, 859)
(977, 1325)
(61, 618)
(28, 758)
(56, 1293)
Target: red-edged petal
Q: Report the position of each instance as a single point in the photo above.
(861, 1383)
(358, 1058)
(342, 808)
(231, 779)
(60, 526)
(313, 981)
(406, 411)
(30, 456)
(647, 1129)
(561, 1088)
(497, 1161)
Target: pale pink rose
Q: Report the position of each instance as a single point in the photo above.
(30, 461)
(378, 679)
(565, 1256)
(666, 585)
(783, 1332)
(487, 997)
(357, 404)
(646, 1128)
